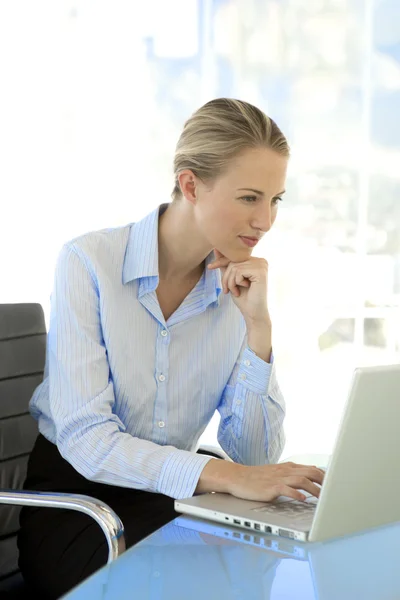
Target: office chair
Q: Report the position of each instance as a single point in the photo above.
(22, 358)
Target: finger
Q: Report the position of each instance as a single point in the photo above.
(302, 483)
(323, 471)
(232, 283)
(245, 283)
(219, 263)
(225, 279)
(286, 490)
(311, 473)
(298, 466)
(218, 256)
(240, 279)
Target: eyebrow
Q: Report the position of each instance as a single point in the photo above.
(259, 192)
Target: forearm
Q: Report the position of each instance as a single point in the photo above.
(259, 336)
(254, 434)
(252, 412)
(94, 443)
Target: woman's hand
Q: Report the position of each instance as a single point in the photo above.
(248, 282)
(267, 482)
(262, 483)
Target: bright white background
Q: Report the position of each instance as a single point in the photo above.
(93, 95)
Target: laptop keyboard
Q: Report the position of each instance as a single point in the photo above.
(294, 509)
(291, 508)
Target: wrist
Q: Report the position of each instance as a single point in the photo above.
(263, 323)
(218, 476)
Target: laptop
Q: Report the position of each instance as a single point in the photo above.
(361, 489)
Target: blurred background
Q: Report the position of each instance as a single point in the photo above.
(93, 96)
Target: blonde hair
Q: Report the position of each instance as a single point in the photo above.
(217, 132)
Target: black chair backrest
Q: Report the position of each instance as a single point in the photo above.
(22, 358)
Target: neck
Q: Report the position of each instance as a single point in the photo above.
(181, 249)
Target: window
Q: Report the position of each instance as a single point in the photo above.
(96, 95)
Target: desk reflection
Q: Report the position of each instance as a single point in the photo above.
(179, 563)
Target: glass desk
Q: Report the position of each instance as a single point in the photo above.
(191, 559)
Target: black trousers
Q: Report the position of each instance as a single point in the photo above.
(59, 548)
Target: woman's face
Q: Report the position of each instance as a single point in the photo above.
(241, 202)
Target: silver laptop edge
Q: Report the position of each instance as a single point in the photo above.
(240, 513)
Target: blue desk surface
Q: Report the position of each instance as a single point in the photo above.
(192, 559)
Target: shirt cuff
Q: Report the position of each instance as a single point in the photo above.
(180, 474)
(254, 373)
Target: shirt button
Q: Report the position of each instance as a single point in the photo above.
(243, 376)
(164, 333)
(161, 424)
(161, 377)
(247, 363)
(238, 402)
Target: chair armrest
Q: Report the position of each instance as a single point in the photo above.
(108, 520)
(213, 451)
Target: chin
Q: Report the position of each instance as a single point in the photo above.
(239, 255)
(235, 251)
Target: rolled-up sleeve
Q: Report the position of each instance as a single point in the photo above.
(252, 410)
(89, 435)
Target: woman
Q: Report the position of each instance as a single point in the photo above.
(154, 326)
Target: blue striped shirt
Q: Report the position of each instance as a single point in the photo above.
(126, 395)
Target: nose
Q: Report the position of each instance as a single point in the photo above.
(263, 218)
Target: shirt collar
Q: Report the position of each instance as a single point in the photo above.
(141, 257)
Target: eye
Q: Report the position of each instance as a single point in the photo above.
(249, 198)
(276, 200)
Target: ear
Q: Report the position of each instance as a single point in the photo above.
(188, 184)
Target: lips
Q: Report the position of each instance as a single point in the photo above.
(249, 241)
